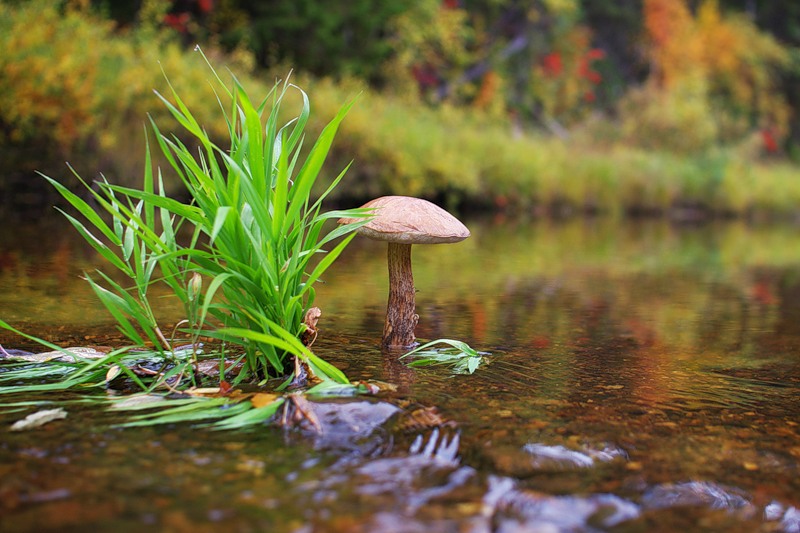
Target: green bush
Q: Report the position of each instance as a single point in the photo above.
(678, 120)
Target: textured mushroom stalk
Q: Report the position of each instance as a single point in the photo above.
(402, 221)
(398, 331)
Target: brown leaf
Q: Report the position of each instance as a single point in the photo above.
(262, 398)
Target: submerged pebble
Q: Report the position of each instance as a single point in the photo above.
(513, 509)
(696, 493)
(789, 518)
(558, 457)
(352, 426)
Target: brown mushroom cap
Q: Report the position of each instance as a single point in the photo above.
(407, 220)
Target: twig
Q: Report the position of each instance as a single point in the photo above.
(163, 339)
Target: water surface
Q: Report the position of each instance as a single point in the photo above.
(643, 376)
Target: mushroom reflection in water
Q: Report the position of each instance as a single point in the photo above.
(402, 221)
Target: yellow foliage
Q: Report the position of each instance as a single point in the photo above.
(726, 55)
(68, 81)
(675, 49)
(678, 120)
(45, 84)
(563, 8)
(489, 96)
(741, 63)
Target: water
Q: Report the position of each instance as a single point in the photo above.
(643, 377)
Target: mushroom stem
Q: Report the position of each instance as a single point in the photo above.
(398, 331)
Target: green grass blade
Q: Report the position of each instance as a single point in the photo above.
(280, 195)
(84, 208)
(219, 221)
(148, 182)
(250, 417)
(316, 157)
(188, 212)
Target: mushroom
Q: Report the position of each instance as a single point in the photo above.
(403, 221)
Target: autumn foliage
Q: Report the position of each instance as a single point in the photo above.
(564, 81)
(719, 63)
(62, 93)
(673, 51)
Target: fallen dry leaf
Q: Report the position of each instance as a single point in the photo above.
(39, 418)
(203, 391)
(113, 372)
(262, 399)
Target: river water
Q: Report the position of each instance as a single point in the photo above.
(642, 376)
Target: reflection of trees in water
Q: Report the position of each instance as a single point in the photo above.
(787, 291)
(533, 287)
(629, 341)
(737, 318)
(372, 319)
(725, 319)
(525, 284)
(530, 312)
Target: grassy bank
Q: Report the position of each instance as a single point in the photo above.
(63, 97)
(458, 156)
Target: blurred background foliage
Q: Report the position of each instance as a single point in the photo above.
(615, 105)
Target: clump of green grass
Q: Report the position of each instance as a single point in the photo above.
(256, 242)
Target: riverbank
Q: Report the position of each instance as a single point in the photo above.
(460, 157)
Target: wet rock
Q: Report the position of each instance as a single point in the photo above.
(534, 458)
(45, 496)
(352, 426)
(513, 510)
(545, 457)
(558, 457)
(400, 488)
(13, 352)
(38, 419)
(789, 518)
(68, 355)
(696, 493)
(444, 450)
